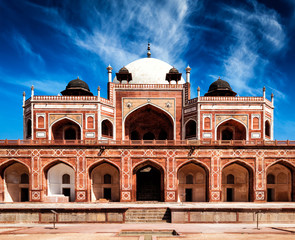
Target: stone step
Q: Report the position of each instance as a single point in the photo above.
(148, 215)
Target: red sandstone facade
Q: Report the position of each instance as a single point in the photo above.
(149, 141)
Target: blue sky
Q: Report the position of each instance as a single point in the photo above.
(249, 43)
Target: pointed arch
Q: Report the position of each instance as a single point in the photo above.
(242, 188)
(75, 124)
(282, 189)
(190, 128)
(13, 186)
(104, 179)
(198, 190)
(237, 133)
(148, 179)
(164, 122)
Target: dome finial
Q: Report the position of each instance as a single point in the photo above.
(149, 52)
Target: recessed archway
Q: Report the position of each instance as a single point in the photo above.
(105, 182)
(279, 182)
(237, 182)
(192, 183)
(65, 129)
(149, 123)
(60, 181)
(148, 178)
(231, 130)
(15, 179)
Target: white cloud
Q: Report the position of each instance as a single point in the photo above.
(256, 35)
(120, 35)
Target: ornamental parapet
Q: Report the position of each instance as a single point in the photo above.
(184, 143)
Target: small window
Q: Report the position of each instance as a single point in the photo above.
(24, 178)
(66, 179)
(107, 179)
(255, 123)
(270, 179)
(41, 122)
(230, 179)
(90, 122)
(189, 179)
(207, 123)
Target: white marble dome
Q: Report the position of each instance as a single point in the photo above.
(149, 71)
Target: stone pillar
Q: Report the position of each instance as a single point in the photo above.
(263, 93)
(81, 177)
(259, 178)
(215, 177)
(126, 177)
(37, 191)
(199, 92)
(171, 178)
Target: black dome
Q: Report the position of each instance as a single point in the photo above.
(77, 87)
(220, 88)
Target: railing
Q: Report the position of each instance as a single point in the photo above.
(149, 86)
(65, 98)
(228, 99)
(151, 142)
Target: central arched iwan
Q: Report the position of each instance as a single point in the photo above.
(148, 123)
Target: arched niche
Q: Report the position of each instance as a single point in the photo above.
(61, 181)
(279, 182)
(66, 129)
(267, 129)
(29, 129)
(237, 183)
(148, 178)
(149, 122)
(192, 183)
(231, 130)
(106, 129)
(190, 129)
(105, 182)
(15, 182)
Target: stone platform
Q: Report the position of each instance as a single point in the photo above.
(139, 212)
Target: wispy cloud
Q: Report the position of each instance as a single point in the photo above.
(257, 34)
(25, 47)
(120, 34)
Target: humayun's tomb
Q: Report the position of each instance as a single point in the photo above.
(147, 141)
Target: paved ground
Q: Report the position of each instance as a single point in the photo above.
(111, 231)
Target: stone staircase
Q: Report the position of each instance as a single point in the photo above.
(143, 215)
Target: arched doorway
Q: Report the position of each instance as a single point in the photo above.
(149, 123)
(106, 129)
(149, 180)
(237, 183)
(190, 129)
(61, 182)
(192, 183)
(279, 184)
(66, 129)
(15, 178)
(105, 182)
(231, 130)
